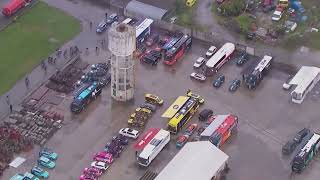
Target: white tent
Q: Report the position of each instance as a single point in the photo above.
(199, 160)
(136, 8)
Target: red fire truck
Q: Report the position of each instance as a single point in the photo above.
(13, 6)
(177, 51)
(224, 131)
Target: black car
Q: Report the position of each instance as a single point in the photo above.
(112, 18)
(235, 84)
(149, 59)
(219, 81)
(121, 139)
(205, 114)
(289, 147)
(149, 106)
(152, 57)
(244, 57)
(300, 135)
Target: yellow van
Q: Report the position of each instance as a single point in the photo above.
(190, 3)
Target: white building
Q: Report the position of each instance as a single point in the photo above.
(199, 160)
(303, 82)
(122, 43)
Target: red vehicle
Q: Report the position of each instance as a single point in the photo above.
(191, 129)
(182, 140)
(13, 6)
(88, 177)
(92, 170)
(224, 131)
(103, 157)
(177, 51)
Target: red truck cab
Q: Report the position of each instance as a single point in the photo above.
(13, 6)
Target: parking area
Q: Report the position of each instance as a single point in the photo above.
(267, 119)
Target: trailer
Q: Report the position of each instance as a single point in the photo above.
(13, 6)
(199, 160)
(254, 73)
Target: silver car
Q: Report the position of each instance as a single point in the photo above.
(198, 76)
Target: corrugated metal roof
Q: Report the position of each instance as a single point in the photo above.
(196, 160)
(146, 10)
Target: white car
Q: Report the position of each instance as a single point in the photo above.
(199, 62)
(128, 132)
(276, 16)
(198, 76)
(100, 165)
(211, 51)
(290, 26)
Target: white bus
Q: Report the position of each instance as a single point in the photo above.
(152, 149)
(143, 30)
(306, 78)
(127, 21)
(219, 58)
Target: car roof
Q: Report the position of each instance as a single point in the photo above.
(100, 163)
(102, 23)
(152, 96)
(113, 15)
(38, 169)
(277, 12)
(44, 159)
(29, 175)
(200, 59)
(212, 47)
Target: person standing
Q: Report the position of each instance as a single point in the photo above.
(11, 108)
(26, 81)
(8, 100)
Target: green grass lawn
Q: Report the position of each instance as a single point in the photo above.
(32, 38)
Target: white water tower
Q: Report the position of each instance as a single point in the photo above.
(122, 44)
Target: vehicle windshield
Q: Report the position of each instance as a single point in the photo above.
(143, 161)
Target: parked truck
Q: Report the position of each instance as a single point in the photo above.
(13, 6)
(253, 75)
(306, 154)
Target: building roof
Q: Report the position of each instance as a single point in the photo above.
(304, 77)
(146, 10)
(196, 160)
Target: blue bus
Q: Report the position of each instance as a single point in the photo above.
(84, 96)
